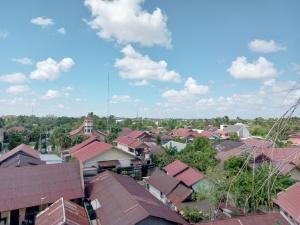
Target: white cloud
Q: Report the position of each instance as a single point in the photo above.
(120, 98)
(24, 61)
(140, 83)
(13, 78)
(42, 21)
(190, 91)
(264, 46)
(17, 89)
(51, 94)
(49, 69)
(3, 35)
(296, 68)
(60, 106)
(140, 67)
(261, 69)
(127, 22)
(62, 31)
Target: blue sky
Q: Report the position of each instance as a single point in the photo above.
(174, 59)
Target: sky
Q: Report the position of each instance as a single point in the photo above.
(163, 59)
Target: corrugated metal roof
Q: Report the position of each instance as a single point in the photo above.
(175, 167)
(123, 201)
(21, 148)
(63, 212)
(289, 201)
(190, 176)
(35, 185)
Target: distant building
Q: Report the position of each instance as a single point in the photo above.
(118, 199)
(63, 212)
(51, 158)
(87, 128)
(26, 191)
(176, 145)
(240, 129)
(184, 133)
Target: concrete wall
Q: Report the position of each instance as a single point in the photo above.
(157, 194)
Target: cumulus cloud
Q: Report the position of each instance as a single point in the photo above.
(127, 22)
(17, 89)
(264, 46)
(296, 68)
(50, 69)
(140, 67)
(42, 21)
(189, 92)
(13, 78)
(51, 94)
(62, 31)
(120, 98)
(24, 61)
(261, 69)
(3, 35)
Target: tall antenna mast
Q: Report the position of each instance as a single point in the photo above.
(108, 101)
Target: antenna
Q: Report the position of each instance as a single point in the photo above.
(108, 101)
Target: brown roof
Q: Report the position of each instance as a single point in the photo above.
(123, 201)
(289, 201)
(82, 144)
(136, 134)
(21, 148)
(35, 185)
(91, 150)
(175, 167)
(179, 194)
(190, 176)
(63, 212)
(19, 160)
(124, 131)
(162, 181)
(264, 219)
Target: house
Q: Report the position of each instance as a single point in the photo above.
(51, 158)
(87, 129)
(272, 218)
(184, 133)
(140, 135)
(63, 212)
(26, 191)
(226, 145)
(189, 176)
(174, 144)
(167, 189)
(124, 131)
(118, 199)
(22, 155)
(240, 129)
(288, 203)
(17, 129)
(92, 151)
(131, 145)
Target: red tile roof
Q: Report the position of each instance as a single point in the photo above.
(137, 144)
(258, 143)
(283, 155)
(16, 129)
(163, 182)
(264, 219)
(91, 150)
(125, 131)
(42, 184)
(63, 212)
(77, 130)
(125, 202)
(125, 140)
(289, 201)
(206, 134)
(190, 176)
(175, 167)
(184, 133)
(82, 144)
(21, 148)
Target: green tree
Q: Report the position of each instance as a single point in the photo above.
(234, 164)
(193, 215)
(234, 137)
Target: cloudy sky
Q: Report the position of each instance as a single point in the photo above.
(187, 59)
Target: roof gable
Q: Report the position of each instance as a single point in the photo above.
(21, 148)
(190, 176)
(175, 167)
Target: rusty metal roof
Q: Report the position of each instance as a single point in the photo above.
(23, 187)
(63, 212)
(123, 201)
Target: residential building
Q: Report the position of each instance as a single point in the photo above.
(184, 133)
(51, 158)
(92, 151)
(22, 155)
(131, 145)
(175, 145)
(63, 212)
(26, 191)
(118, 199)
(288, 203)
(240, 129)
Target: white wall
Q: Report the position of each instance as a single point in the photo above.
(157, 194)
